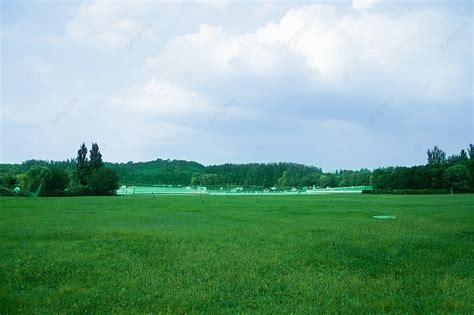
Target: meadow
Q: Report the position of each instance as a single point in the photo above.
(229, 254)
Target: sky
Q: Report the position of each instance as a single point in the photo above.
(335, 84)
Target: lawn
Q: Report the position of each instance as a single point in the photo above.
(228, 254)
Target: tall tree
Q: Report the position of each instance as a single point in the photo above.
(82, 165)
(457, 177)
(436, 156)
(470, 150)
(95, 157)
(458, 157)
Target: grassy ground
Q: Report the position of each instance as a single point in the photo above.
(215, 254)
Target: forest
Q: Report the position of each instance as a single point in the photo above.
(92, 176)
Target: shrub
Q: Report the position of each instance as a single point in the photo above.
(103, 181)
(4, 191)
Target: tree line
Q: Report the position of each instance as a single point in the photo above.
(90, 175)
(441, 174)
(81, 176)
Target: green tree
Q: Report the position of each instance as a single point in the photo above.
(456, 177)
(195, 181)
(470, 150)
(324, 181)
(58, 182)
(436, 156)
(82, 165)
(205, 180)
(95, 157)
(42, 181)
(103, 181)
(37, 179)
(10, 181)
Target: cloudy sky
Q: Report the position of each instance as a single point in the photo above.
(343, 84)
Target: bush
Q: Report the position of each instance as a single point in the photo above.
(42, 181)
(457, 177)
(103, 181)
(36, 180)
(58, 182)
(4, 191)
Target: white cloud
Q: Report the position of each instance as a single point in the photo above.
(106, 23)
(371, 48)
(322, 43)
(161, 98)
(312, 73)
(361, 5)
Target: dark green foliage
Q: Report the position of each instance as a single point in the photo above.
(82, 165)
(458, 157)
(436, 156)
(60, 178)
(158, 172)
(264, 175)
(69, 164)
(252, 176)
(95, 160)
(10, 181)
(457, 177)
(4, 191)
(103, 181)
(59, 181)
(345, 178)
(91, 174)
(470, 151)
(37, 180)
(45, 182)
(6, 169)
(428, 177)
(469, 164)
(324, 181)
(205, 180)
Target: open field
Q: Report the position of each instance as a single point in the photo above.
(214, 254)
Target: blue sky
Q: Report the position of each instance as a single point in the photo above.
(346, 84)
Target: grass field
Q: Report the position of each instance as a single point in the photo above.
(215, 254)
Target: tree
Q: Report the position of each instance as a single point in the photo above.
(458, 157)
(196, 180)
(10, 181)
(42, 181)
(324, 181)
(95, 157)
(470, 150)
(103, 181)
(58, 182)
(381, 178)
(205, 180)
(37, 180)
(82, 165)
(436, 156)
(456, 177)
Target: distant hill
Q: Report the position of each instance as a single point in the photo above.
(158, 172)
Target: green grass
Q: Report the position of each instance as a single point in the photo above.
(228, 254)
